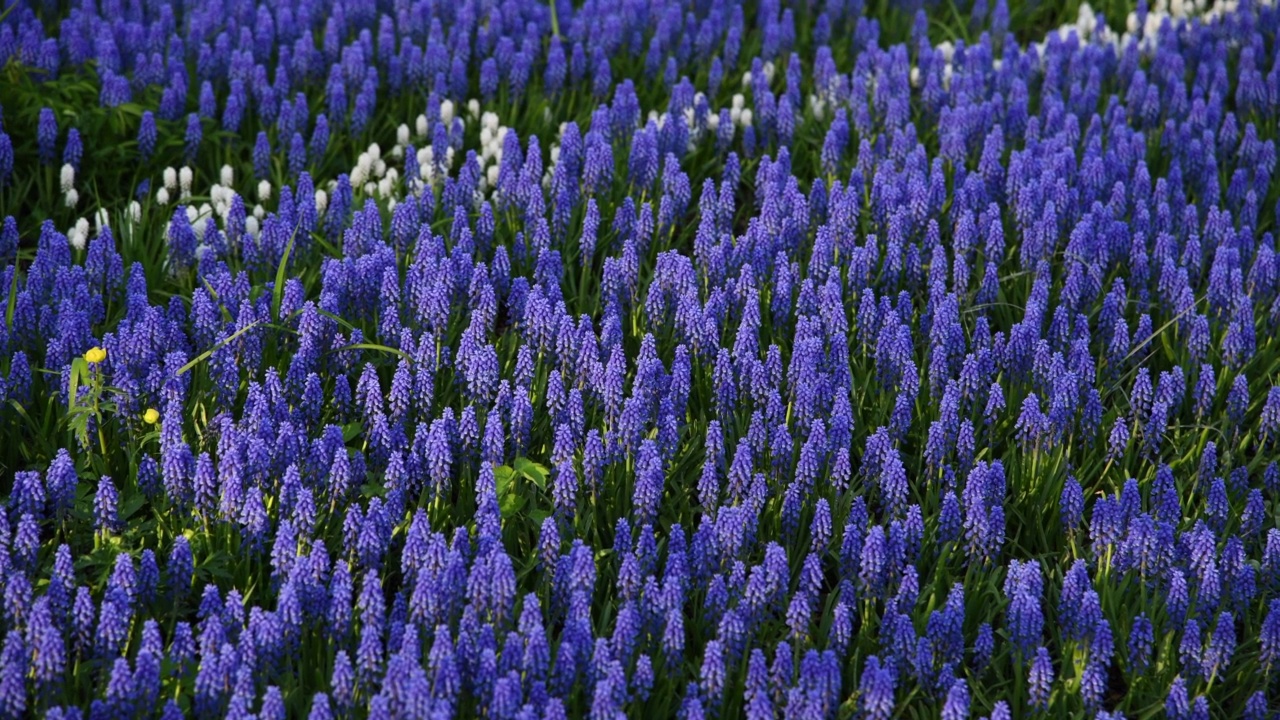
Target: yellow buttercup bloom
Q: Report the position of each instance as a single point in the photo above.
(95, 355)
(151, 416)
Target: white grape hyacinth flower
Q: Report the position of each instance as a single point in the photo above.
(78, 235)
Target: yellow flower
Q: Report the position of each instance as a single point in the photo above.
(151, 416)
(95, 355)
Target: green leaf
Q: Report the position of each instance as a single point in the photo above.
(336, 319)
(535, 473)
(277, 291)
(13, 299)
(77, 367)
(131, 505)
(510, 500)
(375, 346)
(352, 431)
(511, 504)
(204, 355)
(503, 475)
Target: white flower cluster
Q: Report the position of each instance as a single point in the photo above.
(78, 235)
(79, 232)
(370, 169)
(178, 181)
(375, 177)
(1088, 27)
(492, 135)
(67, 179)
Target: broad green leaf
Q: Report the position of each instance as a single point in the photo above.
(132, 504)
(352, 431)
(511, 504)
(502, 476)
(535, 473)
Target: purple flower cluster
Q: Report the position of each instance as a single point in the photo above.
(663, 399)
